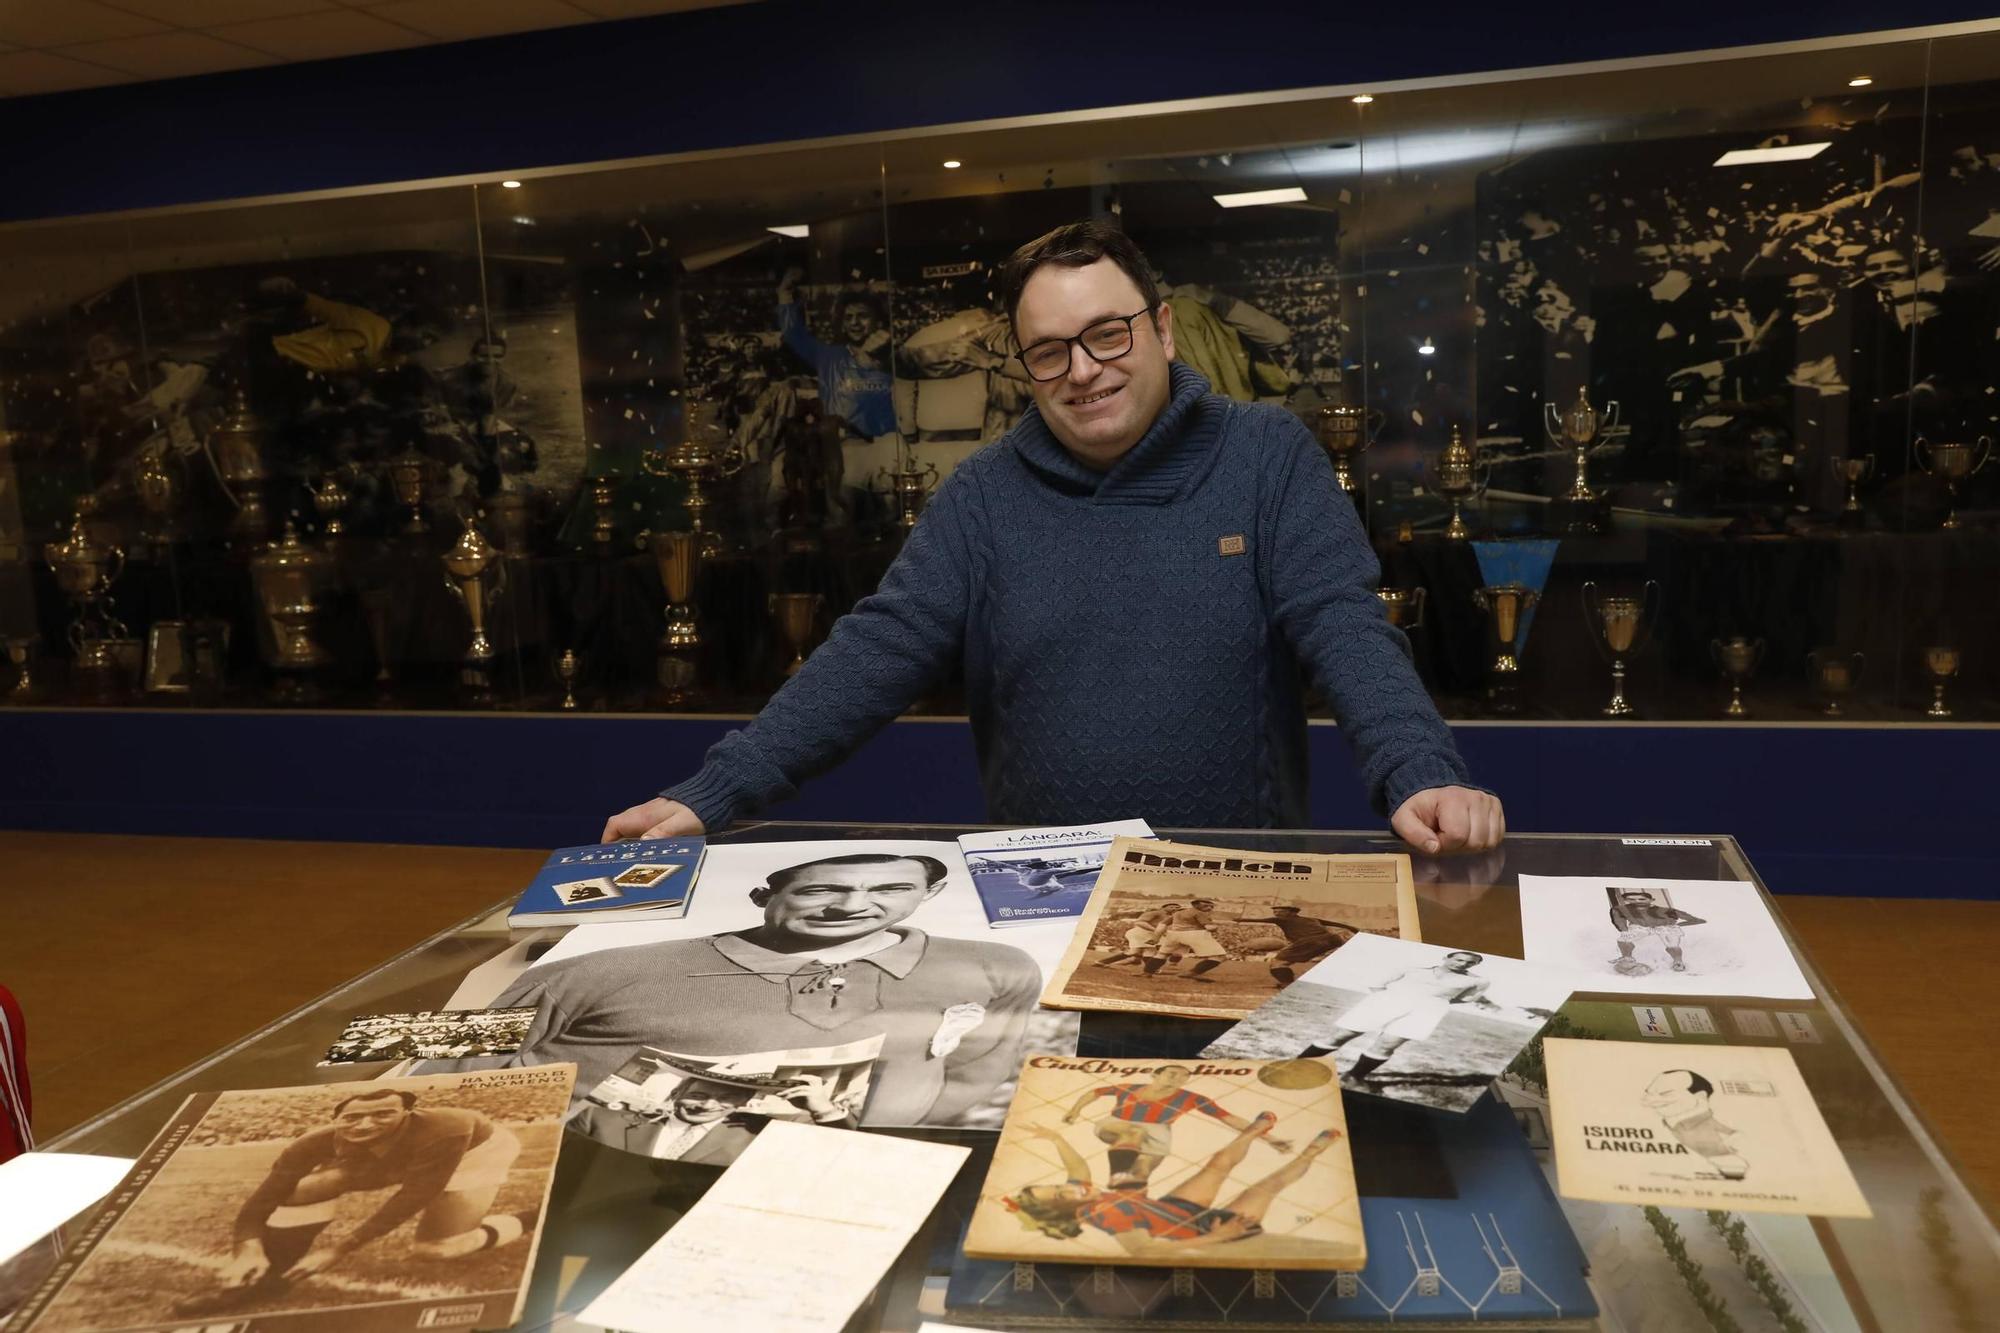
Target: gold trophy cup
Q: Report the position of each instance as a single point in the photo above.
(1403, 606)
(1621, 624)
(1459, 478)
(474, 572)
(237, 446)
(909, 490)
(707, 456)
(1853, 471)
(1941, 664)
(603, 513)
(1580, 429)
(330, 498)
(287, 576)
(85, 568)
(1737, 659)
(677, 555)
(406, 480)
(1344, 432)
(795, 612)
(20, 650)
(568, 667)
(1506, 606)
(1834, 677)
(1952, 464)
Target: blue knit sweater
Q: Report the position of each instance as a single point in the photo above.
(1134, 641)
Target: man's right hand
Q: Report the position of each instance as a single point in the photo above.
(245, 1265)
(657, 818)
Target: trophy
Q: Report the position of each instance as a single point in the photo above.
(20, 650)
(908, 490)
(1459, 479)
(473, 570)
(84, 569)
(568, 667)
(1580, 429)
(795, 612)
(677, 555)
(406, 480)
(330, 503)
(1941, 662)
(1620, 623)
(237, 446)
(287, 576)
(1834, 677)
(1344, 432)
(603, 513)
(513, 513)
(1853, 471)
(696, 462)
(1506, 606)
(1737, 659)
(1953, 463)
(1403, 606)
(159, 488)
(375, 604)
(106, 667)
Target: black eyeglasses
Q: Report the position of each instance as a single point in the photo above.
(1106, 340)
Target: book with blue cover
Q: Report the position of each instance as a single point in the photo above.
(1025, 875)
(1462, 1231)
(635, 880)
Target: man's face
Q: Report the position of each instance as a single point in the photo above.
(1204, 904)
(1669, 1095)
(1886, 268)
(858, 322)
(830, 904)
(1099, 409)
(369, 1118)
(1460, 962)
(1172, 1076)
(700, 1103)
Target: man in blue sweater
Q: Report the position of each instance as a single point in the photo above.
(1139, 579)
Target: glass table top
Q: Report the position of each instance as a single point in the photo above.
(1929, 1258)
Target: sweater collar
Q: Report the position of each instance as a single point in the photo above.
(898, 960)
(1175, 449)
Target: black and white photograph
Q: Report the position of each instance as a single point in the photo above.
(642, 876)
(597, 889)
(440, 1034)
(1658, 936)
(1411, 1022)
(811, 944)
(362, 1206)
(707, 1109)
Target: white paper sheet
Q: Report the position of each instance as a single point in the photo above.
(1702, 937)
(791, 1239)
(43, 1190)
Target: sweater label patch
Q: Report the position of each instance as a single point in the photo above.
(1230, 545)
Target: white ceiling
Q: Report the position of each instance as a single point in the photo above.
(49, 46)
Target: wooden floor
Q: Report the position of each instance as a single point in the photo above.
(133, 957)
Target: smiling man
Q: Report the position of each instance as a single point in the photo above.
(831, 963)
(1138, 580)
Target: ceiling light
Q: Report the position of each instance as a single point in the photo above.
(1291, 194)
(1426, 348)
(1859, 81)
(510, 185)
(1796, 152)
(952, 164)
(1363, 99)
(797, 230)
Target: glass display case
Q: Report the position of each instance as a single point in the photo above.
(1663, 392)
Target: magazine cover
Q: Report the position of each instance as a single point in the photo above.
(1214, 932)
(1036, 874)
(1409, 1021)
(707, 1109)
(1462, 1231)
(797, 945)
(635, 879)
(430, 1034)
(1197, 1164)
(1724, 1127)
(385, 1205)
(1658, 936)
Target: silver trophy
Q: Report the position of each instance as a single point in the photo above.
(1940, 664)
(1834, 676)
(1737, 659)
(1621, 624)
(1952, 463)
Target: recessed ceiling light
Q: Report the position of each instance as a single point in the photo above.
(1426, 348)
(1796, 152)
(1291, 194)
(1363, 99)
(952, 164)
(510, 185)
(1859, 81)
(796, 230)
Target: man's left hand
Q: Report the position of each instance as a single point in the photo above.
(1450, 819)
(313, 1261)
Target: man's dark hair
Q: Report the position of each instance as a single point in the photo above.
(409, 1098)
(1074, 245)
(1696, 1083)
(934, 870)
(1467, 953)
(868, 300)
(1284, 907)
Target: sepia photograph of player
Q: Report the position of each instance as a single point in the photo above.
(393, 1204)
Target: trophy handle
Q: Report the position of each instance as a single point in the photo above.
(76, 638)
(1420, 595)
(931, 471)
(117, 567)
(1375, 419)
(1922, 448)
(1607, 420)
(1552, 422)
(1859, 661)
(1649, 604)
(1982, 453)
(1591, 619)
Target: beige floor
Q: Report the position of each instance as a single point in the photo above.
(133, 957)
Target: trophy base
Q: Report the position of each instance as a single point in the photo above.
(1832, 708)
(1735, 709)
(1619, 708)
(1572, 517)
(1938, 712)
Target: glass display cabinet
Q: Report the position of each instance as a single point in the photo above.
(1663, 393)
